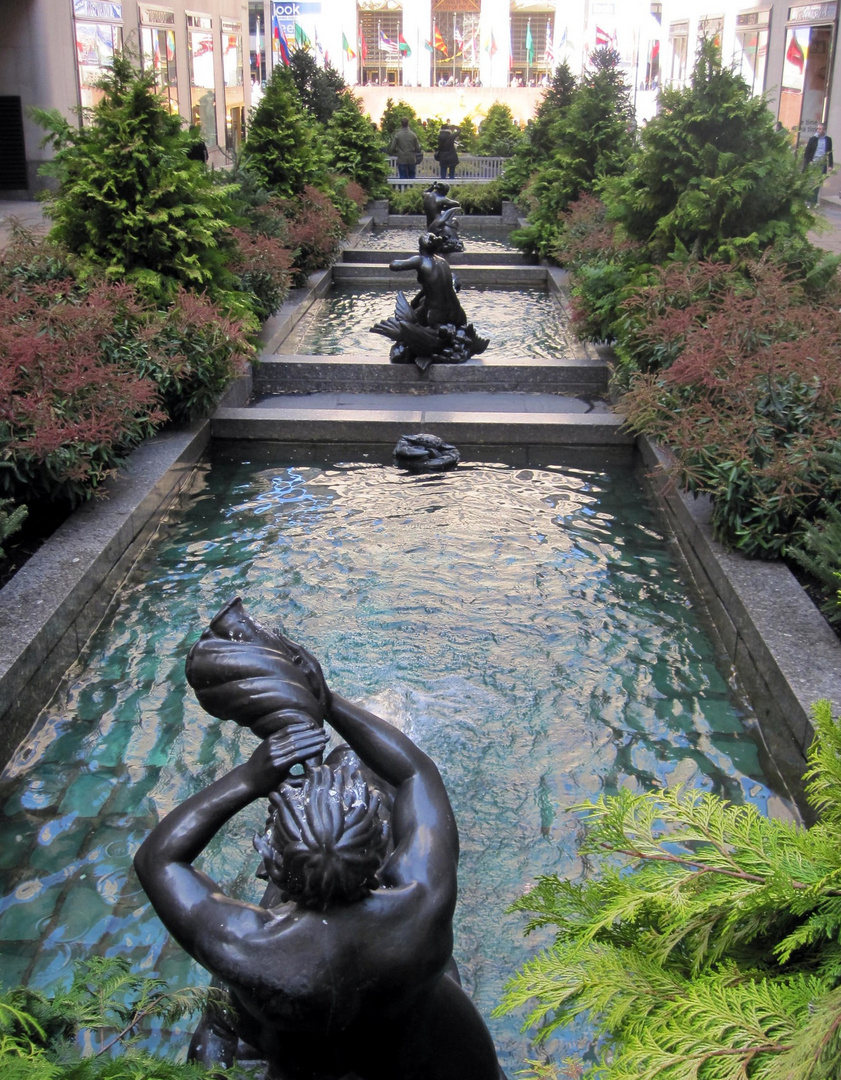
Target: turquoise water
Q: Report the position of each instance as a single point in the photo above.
(475, 238)
(529, 628)
(519, 322)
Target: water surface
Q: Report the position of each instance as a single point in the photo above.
(529, 628)
(519, 322)
(476, 238)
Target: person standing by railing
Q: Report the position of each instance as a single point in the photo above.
(446, 155)
(406, 145)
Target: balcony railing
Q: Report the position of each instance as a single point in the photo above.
(470, 169)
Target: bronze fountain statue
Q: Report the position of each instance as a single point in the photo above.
(441, 217)
(433, 327)
(344, 971)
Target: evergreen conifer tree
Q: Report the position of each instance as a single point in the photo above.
(711, 175)
(320, 89)
(354, 146)
(589, 139)
(284, 149)
(129, 200)
(498, 133)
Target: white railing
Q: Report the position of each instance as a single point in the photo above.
(474, 170)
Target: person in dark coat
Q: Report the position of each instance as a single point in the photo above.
(406, 145)
(446, 154)
(818, 152)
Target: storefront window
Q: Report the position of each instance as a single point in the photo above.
(679, 44)
(805, 82)
(158, 55)
(98, 36)
(232, 72)
(752, 48)
(202, 84)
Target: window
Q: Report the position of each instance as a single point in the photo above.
(98, 36)
(202, 84)
(679, 45)
(232, 74)
(157, 51)
(379, 47)
(805, 82)
(751, 53)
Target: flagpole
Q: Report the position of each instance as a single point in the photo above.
(379, 53)
(528, 36)
(454, 48)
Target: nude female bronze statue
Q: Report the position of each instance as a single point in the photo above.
(345, 971)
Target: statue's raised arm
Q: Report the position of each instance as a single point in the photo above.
(346, 967)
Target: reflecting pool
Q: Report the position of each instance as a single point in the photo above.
(528, 628)
(519, 322)
(476, 238)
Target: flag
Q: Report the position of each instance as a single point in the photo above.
(429, 45)
(440, 44)
(458, 37)
(549, 53)
(281, 47)
(386, 44)
(529, 44)
(655, 51)
(490, 48)
(404, 47)
(349, 53)
(363, 47)
(563, 41)
(794, 54)
(301, 39)
(603, 38)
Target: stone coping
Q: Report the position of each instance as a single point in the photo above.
(781, 647)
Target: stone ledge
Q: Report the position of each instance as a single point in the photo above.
(782, 648)
(55, 602)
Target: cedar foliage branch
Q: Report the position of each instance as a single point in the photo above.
(108, 1003)
(706, 945)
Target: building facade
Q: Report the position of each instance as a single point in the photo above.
(212, 57)
(52, 53)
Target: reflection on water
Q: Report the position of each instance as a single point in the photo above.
(519, 322)
(475, 238)
(527, 627)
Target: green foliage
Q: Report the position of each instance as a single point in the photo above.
(39, 1036)
(11, 519)
(354, 147)
(705, 945)
(285, 147)
(466, 136)
(538, 144)
(320, 89)
(129, 201)
(499, 133)
(711, 177)
(392, 116)
(473, 198)
(751, 398)
(589, 139)
(820, 549)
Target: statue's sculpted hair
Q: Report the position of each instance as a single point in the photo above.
(326, 840)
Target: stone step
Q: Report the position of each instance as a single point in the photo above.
(472, 418)
(584, 376)
(492, 275)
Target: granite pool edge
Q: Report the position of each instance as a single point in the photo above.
(782, 649)
(57, 599)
